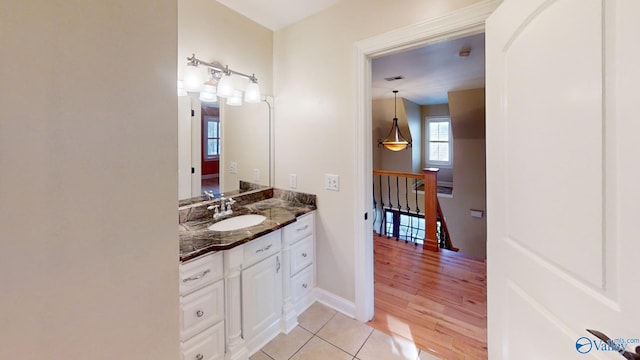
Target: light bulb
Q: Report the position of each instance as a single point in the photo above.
(235, 99)
(208, 94)
(225, 86)
(252, 94)
(193, 78)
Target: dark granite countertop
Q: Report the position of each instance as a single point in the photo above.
(196, 239)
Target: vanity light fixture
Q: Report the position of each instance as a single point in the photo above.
(208, 93)
(193, 78)
(394, 140)
(235, 99)
(225, 88)
(252, 94)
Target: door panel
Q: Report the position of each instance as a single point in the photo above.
(562, 236)
(554, 135)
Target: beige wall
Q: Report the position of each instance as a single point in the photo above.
(382, 111)
(88, 249)
(217, 34)
(469, 179)
(315, 107)
(412, 112)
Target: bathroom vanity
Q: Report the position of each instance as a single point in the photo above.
(240, 288)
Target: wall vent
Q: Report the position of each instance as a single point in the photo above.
(394, 78)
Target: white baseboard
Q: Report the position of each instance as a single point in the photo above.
(336, 302)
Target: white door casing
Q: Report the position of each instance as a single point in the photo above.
(184, 147)
(562, 199)
(464, 22)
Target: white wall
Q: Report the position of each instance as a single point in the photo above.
(315, 107)
(88, 138)
(216, 33)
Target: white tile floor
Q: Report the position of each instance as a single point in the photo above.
(324, 334)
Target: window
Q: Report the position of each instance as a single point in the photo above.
(439, 141)
(212, 126)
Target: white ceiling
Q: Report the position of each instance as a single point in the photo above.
(276, 14)
(430, 71)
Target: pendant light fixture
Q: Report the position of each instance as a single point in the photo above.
(394, 140)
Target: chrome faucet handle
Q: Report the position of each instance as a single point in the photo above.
(209, 194)
(229, 203)
(216, 211)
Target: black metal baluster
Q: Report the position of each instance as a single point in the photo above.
(390, 206)
(418, 210)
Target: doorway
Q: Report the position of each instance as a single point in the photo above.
(468, 21)
(211, 148)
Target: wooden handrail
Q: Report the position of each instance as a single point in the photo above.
(398, 173)
(431, 205)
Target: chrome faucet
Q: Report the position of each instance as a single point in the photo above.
(228, 210)
(216, 211)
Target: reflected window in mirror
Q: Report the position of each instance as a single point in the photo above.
(211, 133)
(213, 137)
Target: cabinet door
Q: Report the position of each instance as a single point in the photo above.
(261, 296)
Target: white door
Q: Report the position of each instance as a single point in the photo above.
(563, 193)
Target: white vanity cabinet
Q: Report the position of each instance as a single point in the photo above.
(233, 302)
(300, 238)
(202, 308)
(262, 290)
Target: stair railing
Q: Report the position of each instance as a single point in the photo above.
(388, 190)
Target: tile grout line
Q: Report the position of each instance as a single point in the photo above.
(303, 345)
(313, 334)
(365, 341)
(267, 355)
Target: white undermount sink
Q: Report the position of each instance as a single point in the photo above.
(237, 222)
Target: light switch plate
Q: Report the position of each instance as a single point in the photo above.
(256, 174)
(233, 167)
(293, 181)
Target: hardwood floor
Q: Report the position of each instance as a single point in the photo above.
(438, 300)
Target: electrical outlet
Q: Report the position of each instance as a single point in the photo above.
(256, 174)
(332, 182)
(293, 181)
(233, 167)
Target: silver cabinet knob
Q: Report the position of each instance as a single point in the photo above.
(199, 313)
(199, 357)
(305, 285)
(304, 254)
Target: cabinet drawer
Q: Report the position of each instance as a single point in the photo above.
(302, 283)
(300, 229)
(201, 309)
(199, 272)
(208, 345)
(261, 248)
(301, 254)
